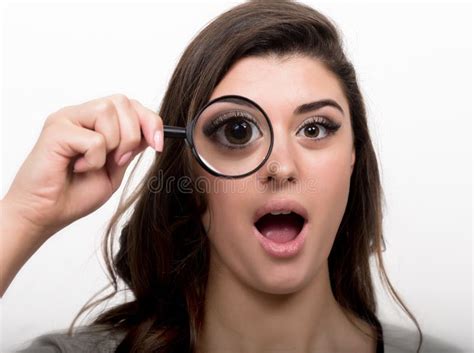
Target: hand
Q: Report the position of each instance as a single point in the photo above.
(79, 161)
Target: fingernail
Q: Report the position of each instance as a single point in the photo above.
(124, 159)
(158, 141)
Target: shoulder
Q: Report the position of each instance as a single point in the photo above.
(83, 340)
(399, 339)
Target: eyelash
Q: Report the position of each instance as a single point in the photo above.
(330, 126)
(224, 118)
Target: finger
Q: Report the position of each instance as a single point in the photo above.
(152, 125)
(69, 140)
(116, 172)
(130, 132)
(99, 115)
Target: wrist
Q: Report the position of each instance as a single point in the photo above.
(14, 222)
(19, 240)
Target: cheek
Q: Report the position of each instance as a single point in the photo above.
(229, 232)
(224, 215)
(331, 174)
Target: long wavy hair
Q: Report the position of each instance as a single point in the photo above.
(163, 255)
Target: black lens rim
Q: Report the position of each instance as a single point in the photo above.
(190, 140)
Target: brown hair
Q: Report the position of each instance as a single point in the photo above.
(164, 252)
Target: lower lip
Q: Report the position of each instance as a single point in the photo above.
(283, 250)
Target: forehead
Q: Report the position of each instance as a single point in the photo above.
(281, 83)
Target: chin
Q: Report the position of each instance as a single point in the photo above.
(283, 280)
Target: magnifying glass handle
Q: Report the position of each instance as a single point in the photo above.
(174, 131)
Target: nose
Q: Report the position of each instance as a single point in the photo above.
(280, 168)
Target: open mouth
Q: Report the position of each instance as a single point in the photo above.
(280, 227)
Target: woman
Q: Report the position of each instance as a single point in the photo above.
(201, 280)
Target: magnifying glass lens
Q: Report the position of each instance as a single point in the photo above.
(232, 137)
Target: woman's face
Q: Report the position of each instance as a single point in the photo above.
(307, 165)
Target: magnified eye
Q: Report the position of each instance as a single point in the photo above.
(236, 129)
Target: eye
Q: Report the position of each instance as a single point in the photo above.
(314, 127)
(233, 130)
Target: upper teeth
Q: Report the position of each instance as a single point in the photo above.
(280, 212)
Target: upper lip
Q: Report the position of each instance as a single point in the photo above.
(282, 204)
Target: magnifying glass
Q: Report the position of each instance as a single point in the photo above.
(230, 137)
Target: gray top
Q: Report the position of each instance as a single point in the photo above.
(396, 340)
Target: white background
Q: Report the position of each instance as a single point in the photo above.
(414, 66)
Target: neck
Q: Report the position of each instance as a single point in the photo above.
(238, 318)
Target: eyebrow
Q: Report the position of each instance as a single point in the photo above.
(302, 109)
(308, 107)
